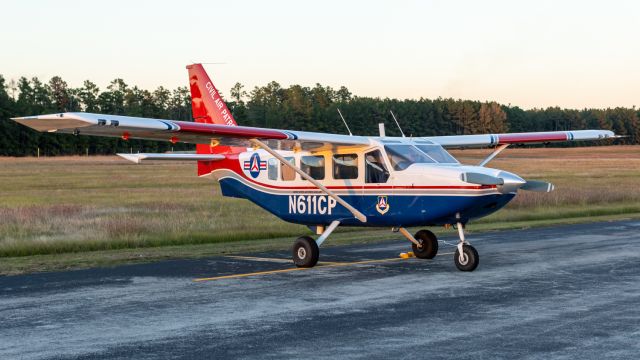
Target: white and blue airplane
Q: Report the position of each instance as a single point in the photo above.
(325, 180)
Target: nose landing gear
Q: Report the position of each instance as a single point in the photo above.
(466, 257)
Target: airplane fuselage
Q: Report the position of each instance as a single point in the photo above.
(388, 191)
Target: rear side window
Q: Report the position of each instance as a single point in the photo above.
(273, 169)
(288, 174)
(313, 166)
(345, 166)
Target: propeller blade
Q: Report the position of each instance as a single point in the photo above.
(480, 179)
(539, 186)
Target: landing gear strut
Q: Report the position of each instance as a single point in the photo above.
(466, 256)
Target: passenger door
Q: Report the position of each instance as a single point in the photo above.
(378, 184)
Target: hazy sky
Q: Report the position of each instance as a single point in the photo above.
(532, 54)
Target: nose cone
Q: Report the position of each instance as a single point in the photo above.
(512, 182)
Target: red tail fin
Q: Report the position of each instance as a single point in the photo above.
(208, 107)
(206, 103)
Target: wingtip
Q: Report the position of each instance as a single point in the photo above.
(135, 158)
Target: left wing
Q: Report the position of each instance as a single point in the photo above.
(128, 127)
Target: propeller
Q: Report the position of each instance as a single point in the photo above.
(539, 186)
(506, 182)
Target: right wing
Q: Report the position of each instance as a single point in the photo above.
(463, 141)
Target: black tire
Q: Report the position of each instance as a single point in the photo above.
(305, 252)
(472, 257)
(429, 243)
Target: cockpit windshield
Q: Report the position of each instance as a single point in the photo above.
(437, 153)
(402, 156)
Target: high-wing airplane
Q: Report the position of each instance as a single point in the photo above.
(326, 180)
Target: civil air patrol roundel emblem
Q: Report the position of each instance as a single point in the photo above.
(255, 165)
(383, 205)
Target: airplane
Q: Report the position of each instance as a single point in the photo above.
(326, 180)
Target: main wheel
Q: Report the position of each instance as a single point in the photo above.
(305, 252)
(429, 247)
(470, 258)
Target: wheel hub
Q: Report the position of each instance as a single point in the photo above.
(302, 253)
(463, 259)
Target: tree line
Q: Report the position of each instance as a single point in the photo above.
(295, 107)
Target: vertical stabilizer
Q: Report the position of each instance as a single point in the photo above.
(206, 103)
(208, 107)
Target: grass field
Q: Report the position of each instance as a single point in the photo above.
(73, 205)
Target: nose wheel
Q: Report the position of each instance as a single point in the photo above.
(466, 257)
(468, 260)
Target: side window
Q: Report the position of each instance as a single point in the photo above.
(345, 166)
(375, 170)
(287, 173)
(313, 166)
(273, 169)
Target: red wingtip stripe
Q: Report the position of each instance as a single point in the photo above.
(533, 137)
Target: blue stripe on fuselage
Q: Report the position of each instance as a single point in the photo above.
(404, 210)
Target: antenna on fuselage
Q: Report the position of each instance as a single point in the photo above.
(345, 122)
(397, 123)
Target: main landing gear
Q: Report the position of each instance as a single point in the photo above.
(424, 243)
(306, 251)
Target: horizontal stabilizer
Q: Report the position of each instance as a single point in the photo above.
(539, 186)
(137, 158)
(480, 179)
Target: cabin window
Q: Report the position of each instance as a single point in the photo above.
(287, 173)
(375, 170)
(345, 166)
(272, 169)
(313, 166)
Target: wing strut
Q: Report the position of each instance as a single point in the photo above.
(493, 154)
(360, 216)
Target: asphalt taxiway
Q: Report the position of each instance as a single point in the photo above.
(560, 292)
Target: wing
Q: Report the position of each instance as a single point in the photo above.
(463, 141)
(128, 127)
